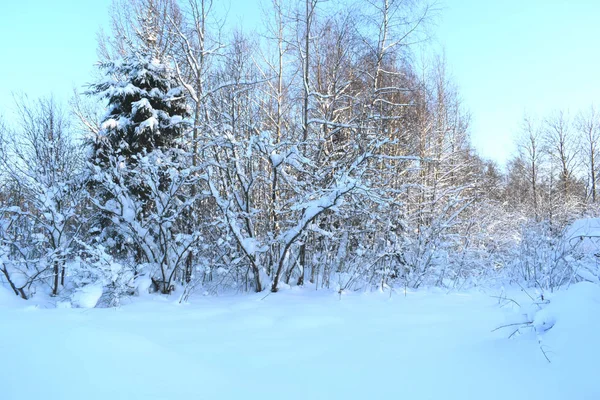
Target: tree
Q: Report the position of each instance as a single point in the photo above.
(563, 150)
(588, 127)
(147, 117)
(155, 223)
(42, 221)
(138, 24)
(198, 48)
(530, 147)
(147, 109)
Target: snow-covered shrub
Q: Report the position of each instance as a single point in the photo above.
(582, 238)
(563, 315)
(42, 217)
(154, 223)
(20, 265)
(278, 238)
(567, 308)
(87, 296)
(547, 260)
(542, 259)
(96, 273)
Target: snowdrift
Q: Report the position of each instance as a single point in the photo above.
(302, 344)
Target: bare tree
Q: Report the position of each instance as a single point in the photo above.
(530, 147)
(139, 23)
(588, 125)
(562, 147)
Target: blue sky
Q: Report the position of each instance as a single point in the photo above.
(507, 57)
(514, 56)
(47, 46)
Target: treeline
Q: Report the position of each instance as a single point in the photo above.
(553, 176)
(314, 151)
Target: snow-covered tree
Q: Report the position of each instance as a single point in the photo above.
(146, 112)
(42, 220)
(155, 224)
(146, 107)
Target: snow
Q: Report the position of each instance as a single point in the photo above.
(571, 323)
(8, 298)
(175, 120)
(585, 234)
(142, 104)
(302, 344)
(584, 227)
(276, 159)
(109, 124)
(251, 246)
(583, 239)
(142, 285)
(150, 123)
(87, 296)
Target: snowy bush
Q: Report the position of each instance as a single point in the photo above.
(154, 222)
(547, 260)
(583, 240)
(43, 219)
(96, 273)
(543, 258)
(20, 263)
(561, 315)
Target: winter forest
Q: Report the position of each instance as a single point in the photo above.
(329, 151)
(319, 151)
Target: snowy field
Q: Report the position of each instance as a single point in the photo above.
(301, 344)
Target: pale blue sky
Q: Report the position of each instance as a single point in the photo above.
(507, 57)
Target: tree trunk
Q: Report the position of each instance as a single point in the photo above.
(302, 262)
(56, 273)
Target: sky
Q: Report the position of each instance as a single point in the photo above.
(507, 57)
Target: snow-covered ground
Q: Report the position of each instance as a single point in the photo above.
(301, 344)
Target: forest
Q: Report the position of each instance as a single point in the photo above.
(330, 149)
(295, 209)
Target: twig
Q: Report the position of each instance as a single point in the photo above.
(544, 353)
(515, 324)
(512, 334)
(527, 293)
(506, 298)
(266, 295)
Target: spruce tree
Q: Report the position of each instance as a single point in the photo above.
(146, 114)
(146, 108)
